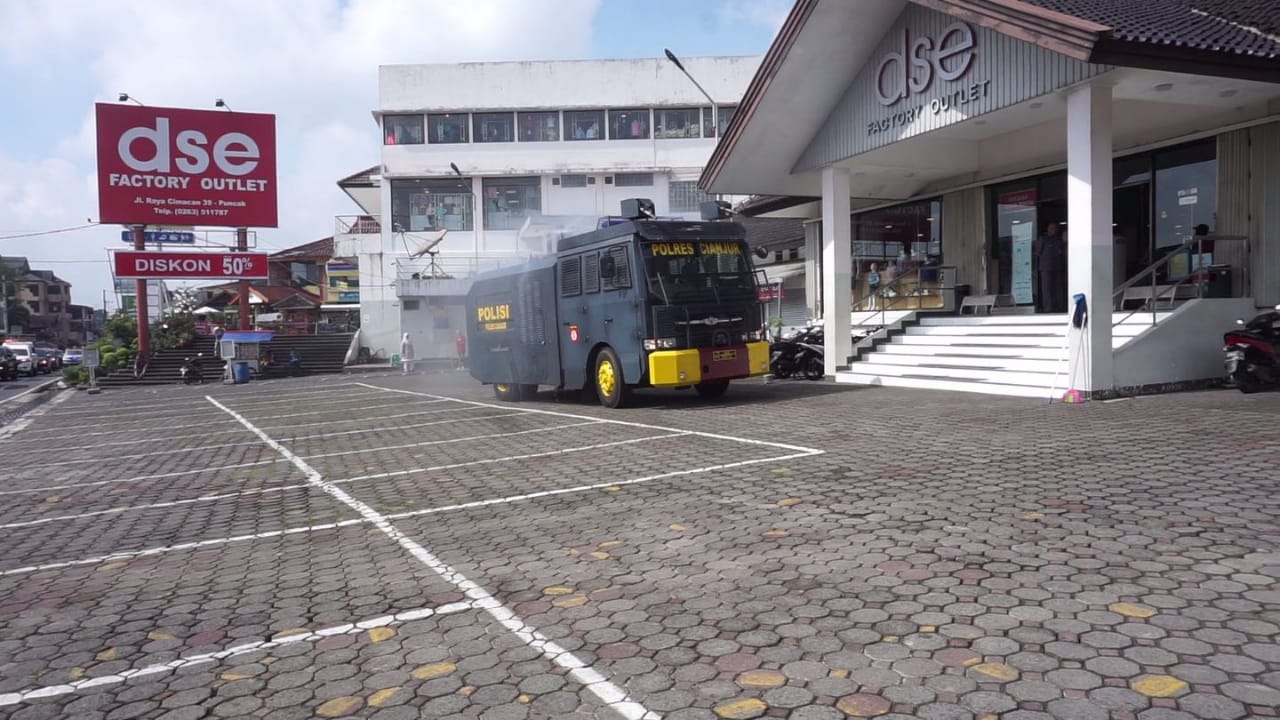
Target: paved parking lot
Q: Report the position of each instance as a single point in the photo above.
(407, 547)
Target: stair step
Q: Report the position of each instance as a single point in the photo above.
(972, 351)
(1002, 377)
(989, 362)
(986, 388)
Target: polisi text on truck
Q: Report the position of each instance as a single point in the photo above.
(234, 153)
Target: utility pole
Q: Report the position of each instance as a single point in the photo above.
(242, 244)
(140, 287)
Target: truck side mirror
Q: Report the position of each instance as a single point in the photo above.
(761, 253)
(608, 267)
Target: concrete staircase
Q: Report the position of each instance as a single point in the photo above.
(320, 354)
(1015, 355)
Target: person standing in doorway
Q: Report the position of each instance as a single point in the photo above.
(406, 353)
(1050, 257)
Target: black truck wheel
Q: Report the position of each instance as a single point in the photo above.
(506, 392)
(611, 387)
(711, 389)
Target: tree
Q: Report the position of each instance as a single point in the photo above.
(122, 326)
(185, 301)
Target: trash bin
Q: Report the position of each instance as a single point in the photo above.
(395, 359)
(1219, 282)
(241, 374)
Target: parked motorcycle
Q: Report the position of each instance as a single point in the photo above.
(1253, 352)
(191, 372)
(801, 353)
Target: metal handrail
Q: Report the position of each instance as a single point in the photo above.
(1117, 296)
(881, 289)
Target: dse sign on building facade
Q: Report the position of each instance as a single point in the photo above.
(173, 166)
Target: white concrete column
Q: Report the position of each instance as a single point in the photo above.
(837, 265)
(1090, 238)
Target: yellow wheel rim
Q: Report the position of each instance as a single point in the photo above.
(501, 387)
(606, 378)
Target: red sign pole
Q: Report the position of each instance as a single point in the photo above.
(242, 244)
(140, 286)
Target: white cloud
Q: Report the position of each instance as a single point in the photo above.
(767, 14)
(313, 63)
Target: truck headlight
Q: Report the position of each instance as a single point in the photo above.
(659, 343)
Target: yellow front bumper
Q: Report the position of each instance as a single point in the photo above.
(672, 368)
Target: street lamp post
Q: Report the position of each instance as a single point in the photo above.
(715, 110)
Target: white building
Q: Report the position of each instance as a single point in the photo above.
(933, 148)
(503, 158)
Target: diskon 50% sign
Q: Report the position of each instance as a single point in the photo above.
(193, 266)
(166, 166)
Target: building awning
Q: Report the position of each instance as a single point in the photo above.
(979, 117)
(340, 308)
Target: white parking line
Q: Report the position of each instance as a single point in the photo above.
(195, 545)
(192, 660)
(508, 458)
(64, 432)
(398, 516)
(310, 436)
(335, 410)
(293, 399)
(235, 431)
(373, 419)
(450, 440)
(114, 458)
(171, 503)
(595, 683)
(21, 423)
(699, 433)
(140, 478)
(594, 486)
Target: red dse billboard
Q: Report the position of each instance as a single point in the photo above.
(172, 166)
(138, 264)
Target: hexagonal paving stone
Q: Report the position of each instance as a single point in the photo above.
(917, 667)
(1253, 693)
(1212, 707)
(863, 705)
(1034, 691)
(988, 703)
(1159, 686)
(741, 709)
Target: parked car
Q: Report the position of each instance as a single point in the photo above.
(27, 363)
(43, 363)
(8, 365)
(51, 356)
(73, 356)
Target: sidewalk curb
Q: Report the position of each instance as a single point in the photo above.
(34, 389)
(11, 412)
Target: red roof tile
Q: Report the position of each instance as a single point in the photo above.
(1240, 27)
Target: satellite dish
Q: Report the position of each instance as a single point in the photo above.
(419, 244)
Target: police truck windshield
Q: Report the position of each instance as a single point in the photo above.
(696, 269)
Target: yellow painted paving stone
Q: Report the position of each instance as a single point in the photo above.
(612, 489)
(675, 526)
(928, 628)
(1159, 685)
(1033, 516)
(775, 534)
(761, 679)
(340, 706)
(114, 565)
(863, 705)
(600, 555)
(572, 601)
(610, 543)
(788, 502)
(434, 670)
(1132, 610)
(76, 673)
(466, 690)
(159, 635)
(998, 671)
(742, 709)
(379, 634)
(381, 697)
(840, 673)
(290, 631)
(557, 590)
(524, 699)
(232, 677)
(106, 655)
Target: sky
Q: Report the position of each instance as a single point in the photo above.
(312, 63)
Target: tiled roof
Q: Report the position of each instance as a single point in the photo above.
(1241, 27)
(322, 248)
(773, 233)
